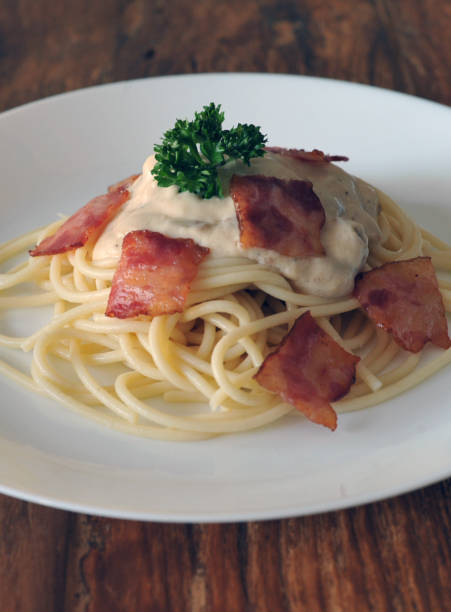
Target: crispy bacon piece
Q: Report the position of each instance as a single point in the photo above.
(283, 215)
(309, 370)
(403, 297)
(92, 217)
(308, 156)
(154, 274)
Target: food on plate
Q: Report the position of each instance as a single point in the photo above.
(227, 285)
(404, 298)
(309, 370)
(153, 275)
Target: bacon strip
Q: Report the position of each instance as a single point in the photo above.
(308, 156)
(309, 370)
(283, 215)
(154, 274)
(403, 297)
(92, 217)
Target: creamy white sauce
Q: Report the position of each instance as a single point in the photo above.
(351, 208)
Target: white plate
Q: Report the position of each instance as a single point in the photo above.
(57, 153)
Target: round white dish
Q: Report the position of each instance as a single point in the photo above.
(57, 153)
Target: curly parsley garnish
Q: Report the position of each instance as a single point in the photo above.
(192, 151)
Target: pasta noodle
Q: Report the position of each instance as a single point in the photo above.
(189, 376)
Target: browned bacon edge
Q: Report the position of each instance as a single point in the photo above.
(282, 215)
(309, 370)
(154, 274)
(403, 297)
(124, 183)
(91, 218)
(307, 156)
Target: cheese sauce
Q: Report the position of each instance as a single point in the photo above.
(351, 208)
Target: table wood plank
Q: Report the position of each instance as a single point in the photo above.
(33, 549)
(391, 555)
(50, 47)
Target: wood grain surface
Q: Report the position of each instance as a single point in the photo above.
(391, 555)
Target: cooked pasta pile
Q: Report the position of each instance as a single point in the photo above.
(201, 362)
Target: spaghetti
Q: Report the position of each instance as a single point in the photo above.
(190, 375)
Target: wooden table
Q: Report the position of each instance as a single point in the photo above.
(391, 555)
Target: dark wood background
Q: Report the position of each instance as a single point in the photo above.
(391, 555)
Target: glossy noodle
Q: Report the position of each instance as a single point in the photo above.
(189, 376)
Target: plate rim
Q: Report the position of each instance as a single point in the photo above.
(164, 77)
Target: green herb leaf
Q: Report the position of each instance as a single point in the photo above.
(192, 151)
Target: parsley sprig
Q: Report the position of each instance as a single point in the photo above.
(192, 151)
